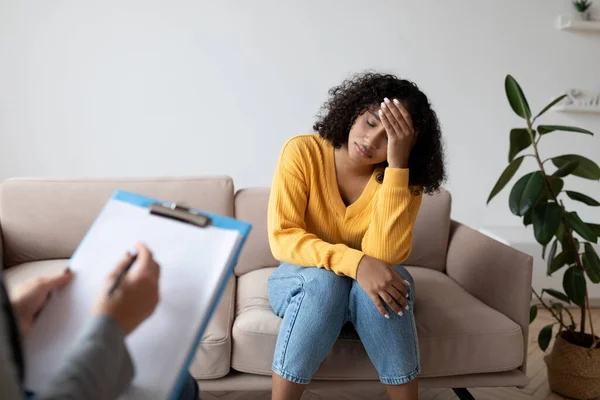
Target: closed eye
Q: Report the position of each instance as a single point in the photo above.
(371, 124)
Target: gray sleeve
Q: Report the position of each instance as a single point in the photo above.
(10, 387)
(99, 366)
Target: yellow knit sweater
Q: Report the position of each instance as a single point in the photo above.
(309, 225)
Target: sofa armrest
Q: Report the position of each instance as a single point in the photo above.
(497, 274)
(213, 355)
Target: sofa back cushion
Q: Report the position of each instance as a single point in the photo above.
(430, 234)
(45, 219)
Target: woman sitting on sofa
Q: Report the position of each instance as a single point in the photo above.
(341, 212)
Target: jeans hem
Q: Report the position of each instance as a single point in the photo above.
(401, 380)
(290, 377)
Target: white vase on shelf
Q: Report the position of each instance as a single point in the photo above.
(583, 16)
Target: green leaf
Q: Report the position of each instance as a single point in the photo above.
(582, 198)
(558, 307)
(591, 262)
(543, 129)
(566, 169)
(525, 193)
(561, 234)
(556, 184)
(516, 98)
(532, 313)
(560, 261)
(586, 169)
(549, 106)
(568, 257)
(519, 140)
(544, 251)
(527, 218)
(595, 228)
(507, 174)
(574, 285)
(544, 337)
(581, 227)
(557, 294)
(546, 220)
(551, 256)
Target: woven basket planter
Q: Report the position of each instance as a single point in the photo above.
(574, 371)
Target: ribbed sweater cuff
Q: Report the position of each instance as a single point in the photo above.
(395, 177)
(349, 262)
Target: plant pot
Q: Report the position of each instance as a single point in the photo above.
(574, 371)
(583, 16)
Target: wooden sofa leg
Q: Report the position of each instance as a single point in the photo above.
(463, 394)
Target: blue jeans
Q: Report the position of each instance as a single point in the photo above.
(316, 303)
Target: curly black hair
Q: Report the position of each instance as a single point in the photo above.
(366, 91)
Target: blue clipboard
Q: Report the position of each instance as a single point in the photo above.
(200, 219)
(215, 220)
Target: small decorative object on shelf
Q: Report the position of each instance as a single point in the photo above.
(575, 24)
(582, 7)
(577, 101)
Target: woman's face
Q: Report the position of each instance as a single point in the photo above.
(367, 141)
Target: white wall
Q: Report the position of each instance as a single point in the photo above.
(125, 88)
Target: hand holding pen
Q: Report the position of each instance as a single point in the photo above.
(131, 296)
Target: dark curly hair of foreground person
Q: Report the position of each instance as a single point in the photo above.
(366, 91)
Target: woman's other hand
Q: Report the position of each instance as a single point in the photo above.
(383, 285)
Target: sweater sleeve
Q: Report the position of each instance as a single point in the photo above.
(389, 236)
(288, 238)
(99, 366)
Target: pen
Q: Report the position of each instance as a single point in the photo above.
(121, 275)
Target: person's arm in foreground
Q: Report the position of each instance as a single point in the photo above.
(99, 365)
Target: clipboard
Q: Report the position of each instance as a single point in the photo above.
(197, 252)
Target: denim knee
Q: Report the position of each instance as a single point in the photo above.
(392, 344)
(404, 273)
(327, 289)
(313, 303)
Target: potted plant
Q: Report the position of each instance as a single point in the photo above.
(582, 7)
(537, 198)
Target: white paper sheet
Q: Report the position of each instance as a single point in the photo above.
(193, 263)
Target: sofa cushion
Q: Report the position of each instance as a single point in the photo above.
(458, 334)
(430, 233)
(213, 355)
(251, 206)
(46, 219)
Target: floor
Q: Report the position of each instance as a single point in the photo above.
(537, 388)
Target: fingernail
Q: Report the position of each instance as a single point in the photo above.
(387, 316)
(383, 105)
(396, 101)
(380, 113)
(407, 295)
(406, 308)
(407, 283)
(386, 100)
(67, 270)
(400, 313)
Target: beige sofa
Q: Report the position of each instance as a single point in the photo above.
(472, 296)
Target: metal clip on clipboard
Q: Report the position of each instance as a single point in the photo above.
(180, 213)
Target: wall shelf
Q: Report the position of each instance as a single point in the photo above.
(576, 109)
(570, 24)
